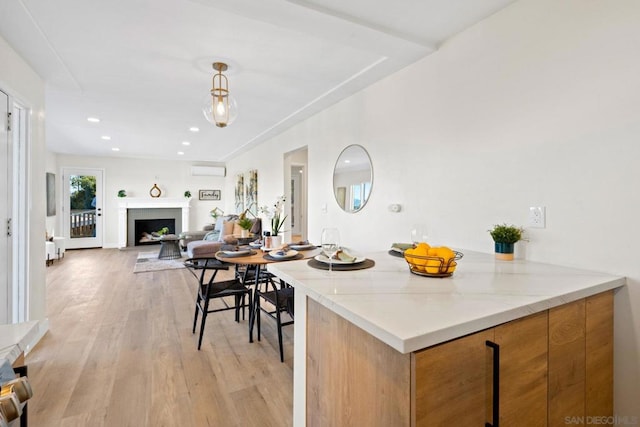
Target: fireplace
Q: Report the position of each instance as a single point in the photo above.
(146, 230)
(131, 209)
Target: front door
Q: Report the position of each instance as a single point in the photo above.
(82, 207)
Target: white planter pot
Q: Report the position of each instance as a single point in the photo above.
(273, 242)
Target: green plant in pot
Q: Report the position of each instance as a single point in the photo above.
(245, 223)
(505, 236)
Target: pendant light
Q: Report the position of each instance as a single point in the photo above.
(220, 107)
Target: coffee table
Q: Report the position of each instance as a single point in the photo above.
(169, 248)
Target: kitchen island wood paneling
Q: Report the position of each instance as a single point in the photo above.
(409, 313)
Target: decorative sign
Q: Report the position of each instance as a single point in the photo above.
(209, 195)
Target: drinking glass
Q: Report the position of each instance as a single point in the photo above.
(330, 243)
(419, 233)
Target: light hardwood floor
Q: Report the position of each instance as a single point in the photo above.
(120, 352)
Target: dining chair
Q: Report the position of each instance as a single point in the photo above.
(205, 271)
(279, 301)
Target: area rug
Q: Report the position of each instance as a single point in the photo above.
(148, 261)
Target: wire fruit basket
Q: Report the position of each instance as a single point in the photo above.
(432, 266)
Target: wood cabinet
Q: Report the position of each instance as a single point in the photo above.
(581, 361)
(462, 371)
(552, 365)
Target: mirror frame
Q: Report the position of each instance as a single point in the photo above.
(335, 167)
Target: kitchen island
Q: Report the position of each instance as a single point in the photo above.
(383, 346)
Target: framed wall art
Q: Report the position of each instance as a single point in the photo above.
(239, 193)
(209, 194)
(251, 195)
(51, 194)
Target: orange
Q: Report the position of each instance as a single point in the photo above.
(424, 245)
(447, 255)
(419, 251)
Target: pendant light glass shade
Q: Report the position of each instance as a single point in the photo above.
(220, 107)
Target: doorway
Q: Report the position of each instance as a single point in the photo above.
(5, 211)
(82, 207)
(295, 186)
(14, 235)
(297, 208)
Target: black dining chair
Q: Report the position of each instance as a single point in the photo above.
(279, 302)
(205, 271)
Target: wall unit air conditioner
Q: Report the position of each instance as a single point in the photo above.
(208, 171)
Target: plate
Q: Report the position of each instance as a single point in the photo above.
(302, 247)
(255, 245)
(323, 258)
(289, 254)
(237, 253)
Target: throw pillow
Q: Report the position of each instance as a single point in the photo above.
(257, 227)
(237, 230)
(227, 229)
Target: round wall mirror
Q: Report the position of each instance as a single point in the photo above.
(352, 178)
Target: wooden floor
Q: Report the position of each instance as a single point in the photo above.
(120, 352)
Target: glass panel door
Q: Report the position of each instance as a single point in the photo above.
(83, 208)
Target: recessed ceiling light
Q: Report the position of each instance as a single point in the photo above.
(347, 161)
(93, 119)
(180, 153)
(186, 143)
(115, 149)
(106, 137)
(194, 129)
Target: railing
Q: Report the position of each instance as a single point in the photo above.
(83, 223)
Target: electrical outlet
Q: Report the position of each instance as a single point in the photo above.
(537, 217)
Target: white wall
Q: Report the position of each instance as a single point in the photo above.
(539, 105)
(137, 176)
(22, 83)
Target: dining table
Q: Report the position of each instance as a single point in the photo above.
(258, 258)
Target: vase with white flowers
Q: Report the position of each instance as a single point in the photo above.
(274, 214)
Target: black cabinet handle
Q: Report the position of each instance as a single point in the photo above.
(496, 384)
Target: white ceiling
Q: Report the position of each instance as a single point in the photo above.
(144, 66)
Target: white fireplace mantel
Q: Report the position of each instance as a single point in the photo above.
(125, 203)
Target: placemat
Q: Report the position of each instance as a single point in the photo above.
(310, 248)
(223, 255)
(367, 263)
(270, 258)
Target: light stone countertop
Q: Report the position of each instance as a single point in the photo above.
(15, 339)
(411, 312)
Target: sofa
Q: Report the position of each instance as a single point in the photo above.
(225, 231)
(194, 235)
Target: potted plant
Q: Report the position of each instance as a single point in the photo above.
(122, 193)
(504, 237)
(187, 194)
(274, 214)
(246, 224)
